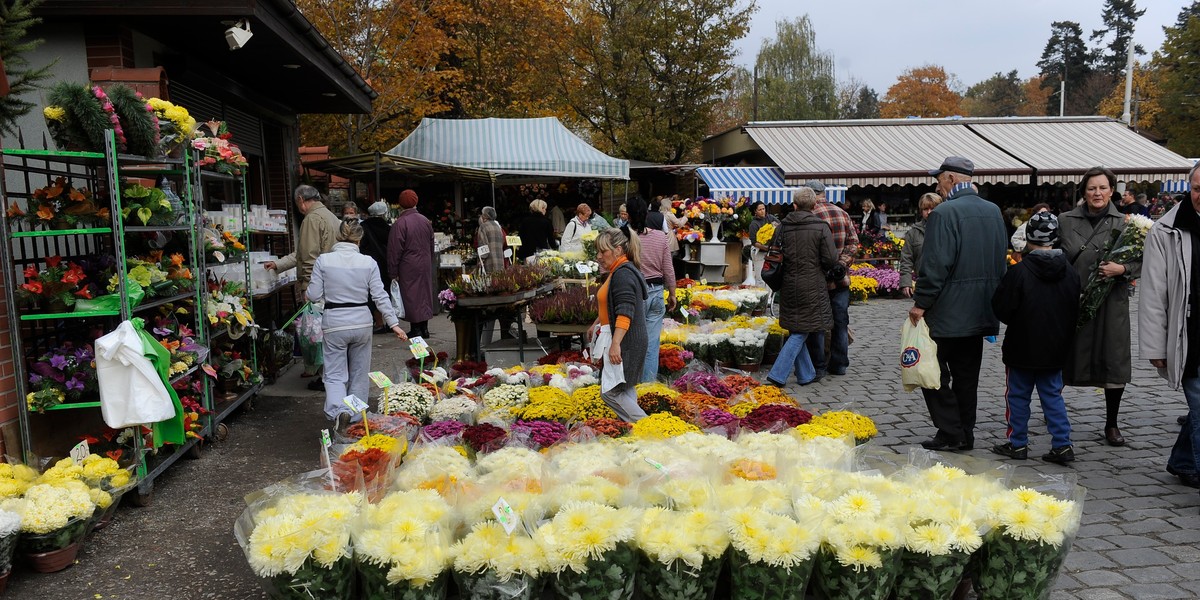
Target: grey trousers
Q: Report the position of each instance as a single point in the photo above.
(347, 362)
(623, 400)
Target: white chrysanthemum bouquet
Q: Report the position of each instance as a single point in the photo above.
(301, 543)
(402, 546)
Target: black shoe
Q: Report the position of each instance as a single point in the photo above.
(821, 375)
(1060, 455)
(316, 385)
(775, 383)
(1011, 451)
(938, 443)
(1189, 479)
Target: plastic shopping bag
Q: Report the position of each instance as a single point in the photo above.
(918, 357)
(397, 300)
(308, 328)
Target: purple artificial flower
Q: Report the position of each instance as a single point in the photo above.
(35, 379)
(58, 361)
(162, 331)
(74, 385)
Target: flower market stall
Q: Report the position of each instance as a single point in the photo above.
(475, 299)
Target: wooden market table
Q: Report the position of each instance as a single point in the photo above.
(472, 311)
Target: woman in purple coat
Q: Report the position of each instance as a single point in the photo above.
(410, 262)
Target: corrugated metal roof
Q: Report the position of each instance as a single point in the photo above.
(1062, 151)
(358, 165)
(880, 153)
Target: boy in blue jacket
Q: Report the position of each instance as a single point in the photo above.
(1038, 299)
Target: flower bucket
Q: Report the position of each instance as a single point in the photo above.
(59, 539)
(54, 560)
(57, 306)
(613, 574)
(678, 581)
(374, 585)
(761, 581)
(487, 586)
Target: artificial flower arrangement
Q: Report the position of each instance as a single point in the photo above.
(179, 340)
(62, 374)
(228, 306)
(571, 305)
(191, 391)
(159, 275)
(233, 368)
(217, 152)
(175, 125)
(565, 266)
(77, 116)
(138, 121)
(61, 205)
(54, 288)
(221, 245)
(147, 206)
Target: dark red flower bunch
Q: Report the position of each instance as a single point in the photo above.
(484, 437)
(562, 356)
(775, 417)
(654, 402)
(468, 368)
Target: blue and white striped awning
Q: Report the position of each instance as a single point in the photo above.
(539, 147)
(763, 184)
(1175, 187)
(835, 194)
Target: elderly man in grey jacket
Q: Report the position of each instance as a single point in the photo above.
(961, 266)
(1169, 319)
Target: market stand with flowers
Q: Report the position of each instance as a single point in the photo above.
(103, 230)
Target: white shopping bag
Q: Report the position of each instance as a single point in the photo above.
(918, 357)
(610, 375)
(397, 301)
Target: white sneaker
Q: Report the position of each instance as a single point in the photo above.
(341, 422)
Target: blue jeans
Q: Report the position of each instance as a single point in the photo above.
(1018, 395)
(839, 342)
(794, 356)
(656, 308)
(1185, 455)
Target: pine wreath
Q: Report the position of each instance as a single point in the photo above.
(86, 119)
(138, 120)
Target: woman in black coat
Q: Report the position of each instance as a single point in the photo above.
(374, 244)
(536, 231)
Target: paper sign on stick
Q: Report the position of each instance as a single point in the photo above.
(379, 379)
(80, 452)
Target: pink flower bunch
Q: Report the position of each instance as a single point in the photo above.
(440, 429)
(108, 107)
(543, 433)
(714, 418)
(775, 417)
(705, 383)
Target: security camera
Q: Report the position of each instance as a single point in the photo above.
(238, 35)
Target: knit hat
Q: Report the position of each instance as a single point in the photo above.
(377, 209)
(408, 199)
(1042, 229)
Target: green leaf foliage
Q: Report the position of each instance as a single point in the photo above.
(16, 18)
(141, 131)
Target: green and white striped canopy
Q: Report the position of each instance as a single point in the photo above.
(522, 147)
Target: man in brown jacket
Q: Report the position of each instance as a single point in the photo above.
(317, 234)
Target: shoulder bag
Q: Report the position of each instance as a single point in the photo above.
(772, 270)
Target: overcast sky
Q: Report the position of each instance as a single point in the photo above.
(876, 40)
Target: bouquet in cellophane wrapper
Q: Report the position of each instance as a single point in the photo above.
(1125, 246)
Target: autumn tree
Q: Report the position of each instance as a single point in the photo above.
(857, 100)
(1145, 108)
(1192, 10)
(1066, 58)
(649, 72)
(505, 50)
(398, 47)
(1000, 95)
(735, 105)
(1034, 98)
(923, 92)
(1120, 17)
(795, 78)
(1180, 85)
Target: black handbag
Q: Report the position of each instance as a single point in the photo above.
(772, 271)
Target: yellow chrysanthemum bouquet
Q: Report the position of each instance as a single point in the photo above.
(493, 564)
(300, 543)
(683, 549)
(402, 546)
(589, 547)
(54, 515)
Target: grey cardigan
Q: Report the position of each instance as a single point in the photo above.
(347, 276)
(627, 296)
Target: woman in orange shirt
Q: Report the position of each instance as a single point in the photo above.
(621, 343)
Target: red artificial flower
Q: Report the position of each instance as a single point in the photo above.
(84, 293)
(91, 440)
(34, 287)
(115, 454)
(52, 261)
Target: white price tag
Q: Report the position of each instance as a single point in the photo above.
(80, 452)
(466, 278)
(505, 515)
(482, 251)
(583, 269)
(326, 442)
(508, 253)
(355, 403)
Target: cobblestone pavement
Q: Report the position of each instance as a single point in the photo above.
(1139, 538)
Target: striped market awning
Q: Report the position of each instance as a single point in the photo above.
(759, 184)
(540, 147)
(1176, 187)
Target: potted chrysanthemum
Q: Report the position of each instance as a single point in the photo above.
(54, 520)
(10, 531)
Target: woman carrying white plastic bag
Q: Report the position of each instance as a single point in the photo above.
(918, 357)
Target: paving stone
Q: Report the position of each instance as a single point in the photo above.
(1180, 536)
(1133, 541)
(1139, 557)
(1087, 560)
(1101, 594)
(1155, 591)
(1101, 578)
(1153, 575)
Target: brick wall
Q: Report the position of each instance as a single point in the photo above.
(108, 47)
(8, 391)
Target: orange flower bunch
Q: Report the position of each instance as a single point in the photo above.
(61, 202)
(752, 470)
(740, 383)
(691, 403)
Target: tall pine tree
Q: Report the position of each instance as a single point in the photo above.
(1066, 58)
(1120, 17)
(1180, 83)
